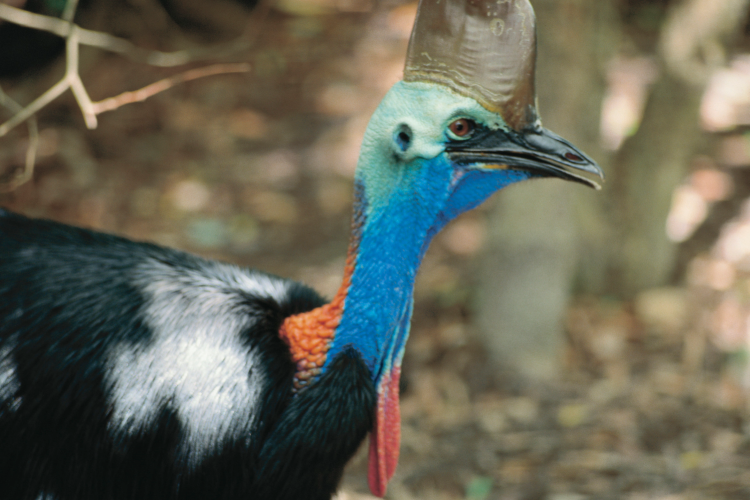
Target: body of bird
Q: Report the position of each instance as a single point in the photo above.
(131, 371)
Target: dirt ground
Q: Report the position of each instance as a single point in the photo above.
(256, 169)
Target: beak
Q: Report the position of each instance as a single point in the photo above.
(534, 148)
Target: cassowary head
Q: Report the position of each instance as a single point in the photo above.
(461, 125)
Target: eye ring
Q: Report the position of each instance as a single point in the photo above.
(462, 128)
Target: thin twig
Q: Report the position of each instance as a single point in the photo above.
(74, 79)
(76, 36)
(70, 78)
(70, 11)
(31, 149)
(92, 38)
(111, 43)
(50, 95)
(162, 85)
(36, 21)
(108, 42)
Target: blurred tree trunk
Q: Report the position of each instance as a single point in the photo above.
(647, 169)
(535, 235)
(654, 161)
(544, 237)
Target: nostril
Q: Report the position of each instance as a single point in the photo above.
(573, 157)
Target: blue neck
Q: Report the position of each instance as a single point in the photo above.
(406, 193)
(378, 305)
(393, 237)
(390, 239)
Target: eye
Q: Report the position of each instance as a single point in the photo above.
(462, 128)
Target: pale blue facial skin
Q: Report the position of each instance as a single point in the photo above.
(427, 109)
(410, 190)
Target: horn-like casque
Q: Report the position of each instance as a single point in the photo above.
(484, 49)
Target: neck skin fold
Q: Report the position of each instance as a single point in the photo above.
(309, 334)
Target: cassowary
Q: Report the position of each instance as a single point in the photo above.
(131, 371)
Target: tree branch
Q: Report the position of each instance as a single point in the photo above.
(70, 11)
(91, 38)
(162, 85)
(74, 37)
(28, 171)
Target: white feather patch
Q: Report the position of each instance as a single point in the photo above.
(196, 363)
(9, 384)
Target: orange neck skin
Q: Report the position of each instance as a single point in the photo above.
(309, 334)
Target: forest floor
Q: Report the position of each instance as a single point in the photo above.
(257, 170)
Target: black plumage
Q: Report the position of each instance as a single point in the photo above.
(70, 297)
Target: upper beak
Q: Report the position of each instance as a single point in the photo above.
(534, 148)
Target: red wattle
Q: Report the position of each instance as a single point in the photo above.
(385, 439)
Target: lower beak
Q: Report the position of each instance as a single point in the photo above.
(535, 149)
